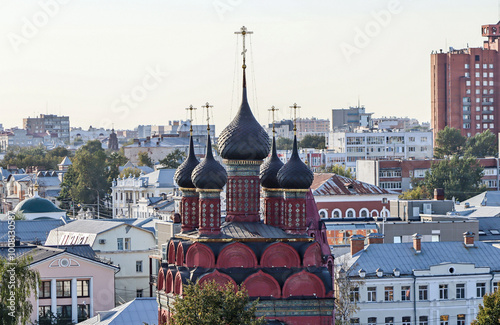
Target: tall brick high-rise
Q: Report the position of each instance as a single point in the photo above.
(465, 86)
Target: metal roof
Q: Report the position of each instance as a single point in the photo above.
(31, 230)
(136, 312)
(403, 256)
(487, 198)
(90, 226)
(333, 184)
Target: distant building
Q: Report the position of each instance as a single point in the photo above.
(350, 118)
(19, 137)
(465, 86)
(124, 244)
(398, 123)
(113, 141)
(420, 282)
(52, 124)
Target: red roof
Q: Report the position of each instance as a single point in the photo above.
(333, 184)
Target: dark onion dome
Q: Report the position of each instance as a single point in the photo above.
(209, 174)
(183, 173)
(295, 174)
(269, 169)
(244, 138)
(36, 204)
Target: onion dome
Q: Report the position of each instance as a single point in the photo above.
(183, 173)
(295, 174)
(244, 138)
(209, 174)
(269, 169)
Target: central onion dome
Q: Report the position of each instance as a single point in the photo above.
(244, 138)
(209, 174)
(183, 173)
(295, 174)
(269, 169)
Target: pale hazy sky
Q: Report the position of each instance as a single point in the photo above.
(133, 62)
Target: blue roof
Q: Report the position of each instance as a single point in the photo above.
(136, 312)
(31, 230)
(402, 256)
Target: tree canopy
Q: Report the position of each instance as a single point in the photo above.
(482, 145)
(24, 157)
(460, 177)
(489, 310)
(212, 304)
(144, 159)
(337, 169)
(88, 175)
(312, 141)
(284, 143)
(449, 141)
(173, 159)
(17, 283)
(130, 171)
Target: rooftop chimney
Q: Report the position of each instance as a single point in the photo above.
(375, 238)
(469, 239)
(439, 194)
(417, 242)
(357, 243)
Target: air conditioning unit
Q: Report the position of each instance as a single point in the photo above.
(102, 241)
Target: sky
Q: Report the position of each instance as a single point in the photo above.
(130, 62)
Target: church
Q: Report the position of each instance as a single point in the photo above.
(279, 252)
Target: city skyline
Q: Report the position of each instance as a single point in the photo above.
(133, 63)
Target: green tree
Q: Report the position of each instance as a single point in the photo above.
(416, 193)
(482, 145)
(87, 176)
(449, 141)
(18, 283)
(284, 144)
(33, 156)
(460, 177)
(336, 169)
(144, 159)
(211, 304)
(489, 310)
(173, 159)
(313, 141)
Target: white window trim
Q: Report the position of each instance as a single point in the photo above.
(325, 211)
(339, 211)
(353, 212)
(367, 212)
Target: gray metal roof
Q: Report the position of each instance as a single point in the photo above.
(31, 230)
(333, 184)
(136, 312)
(403, 256)
(90, 226)
(163, 177)
(487, 198)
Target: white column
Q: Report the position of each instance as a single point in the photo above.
(53, 296)
(74, 303)
(91, 294)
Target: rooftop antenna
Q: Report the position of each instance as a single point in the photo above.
(294, 106)
(191, 109)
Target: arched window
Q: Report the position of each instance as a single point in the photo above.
(364, 213)
(350, 213)
(374, 214)
(337, 214)
(385, 213)
(323, 214)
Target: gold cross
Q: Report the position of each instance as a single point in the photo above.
(295, 106)
(207, 106)
(244, 32)
(191, 109)
(273, 109)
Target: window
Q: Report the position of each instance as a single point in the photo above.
(389, 293)
(405, 293)
(82, 288)
(466, 125)
(477, 58)
(480, 289)
(423, 320)
(422, 292)
(490, 75)
(65, 312)
(467, 83)
(354, 320)
(466, 117)
(478, 125)
(466, 66)
(43, 315)
(460, 319)
(63, 289)
(443, 319)
(363, 213)
(350, 213)
(485, 83)
(491, 66)
(138, 266)
(478, 83)
(119, 242)
(389, 320)
(337, 213)
(138, 293)
(443, 291)
(492, 126)
(495, 284)
(406, 320)
(372, 294)
(490, 82)
(83, 312)
(485, 74)
(485, 66)
(460, 291)
(477, 75)
(372, 320)
(485, 125)
(128, 244)
(44, 290)
(478, 109)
